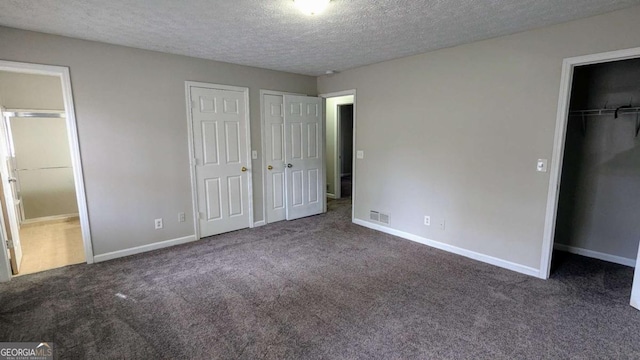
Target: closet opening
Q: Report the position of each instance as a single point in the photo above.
(599, 173)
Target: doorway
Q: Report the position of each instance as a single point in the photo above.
(595, 173)
(340, 119)
(339, 144)
(44, 217)
(345, 148)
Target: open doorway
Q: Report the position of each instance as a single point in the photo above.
(340, 124)
(44, 217)
(595, 172)
(339, 145)
(600, 184)
(345, 148)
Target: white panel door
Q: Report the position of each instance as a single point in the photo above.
(304, 156)
(219, 124)
(635, 289)
(274, 156)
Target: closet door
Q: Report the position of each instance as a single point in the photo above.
(274, 155)
(304, 156)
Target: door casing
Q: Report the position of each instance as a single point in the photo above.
(566, 80)
(72, 131)
(355, 127)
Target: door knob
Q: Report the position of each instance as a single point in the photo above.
(243, 169)
(269, 167)
(289, 165)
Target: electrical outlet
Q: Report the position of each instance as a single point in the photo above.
(442, 224)
(158, 223)
(427, 220)
(181, 217)
(541, 166)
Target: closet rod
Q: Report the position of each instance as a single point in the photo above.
(592, 112)
(34, 114)
(46, 168)
(616, 112)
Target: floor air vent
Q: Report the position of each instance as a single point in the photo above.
(379, 217)
(384, 218)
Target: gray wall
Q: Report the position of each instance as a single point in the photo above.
(598, 208)
(455, 134)
(40, 143)
(131, 114)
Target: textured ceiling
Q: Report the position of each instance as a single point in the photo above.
(273, 34)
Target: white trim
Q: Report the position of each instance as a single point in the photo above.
(559, 141)
(596, 255)
(264, 92)
(194, 188)
(74, 146)
(144, 248)
(53, 218)
(353, 160)
(259, 223)
(452, 249)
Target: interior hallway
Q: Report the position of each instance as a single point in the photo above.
(51, 245)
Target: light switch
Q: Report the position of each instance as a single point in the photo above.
(360, 154)
(254, 154)
(542, 165)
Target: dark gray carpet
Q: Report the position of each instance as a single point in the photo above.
(345, 186)
(321, 288)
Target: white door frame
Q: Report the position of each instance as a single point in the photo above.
(263, 149)
(62, 73)
(566, 80)
(192, 160)
(353, 162)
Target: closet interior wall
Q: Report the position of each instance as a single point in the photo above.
(600, 188)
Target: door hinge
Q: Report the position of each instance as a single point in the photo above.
(10, 244)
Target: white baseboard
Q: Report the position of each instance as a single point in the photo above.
(596, 255)
(331, 196)
(144, 248)
(259, 223)
(452, 249)
(53, 218)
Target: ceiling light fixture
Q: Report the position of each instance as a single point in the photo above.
(311, 7)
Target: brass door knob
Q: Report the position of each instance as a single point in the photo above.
(269, 167)
(243, 169)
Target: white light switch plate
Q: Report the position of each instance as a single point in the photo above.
(254, 154)
(542, 165)
(360, 154)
